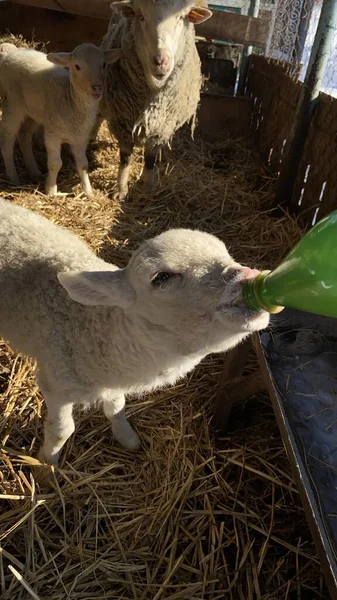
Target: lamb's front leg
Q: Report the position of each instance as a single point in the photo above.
(114, 410)
(81, 160)
(58, 428)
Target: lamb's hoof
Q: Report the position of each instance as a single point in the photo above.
(43, 474)
(89, 193)
(133, 442)
(50, 190)
(120, 195)
(127, 437)
(52, 460)
(51, 194)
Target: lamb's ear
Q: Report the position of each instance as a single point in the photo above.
(99, 288)
(112, 56)
(198, 14)
(124, 8)
(59, 58)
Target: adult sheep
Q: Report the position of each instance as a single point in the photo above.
(155, 88)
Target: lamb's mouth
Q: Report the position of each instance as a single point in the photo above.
(240, 312)
(238, 309)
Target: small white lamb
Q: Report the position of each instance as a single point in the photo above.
(38, 90)
(99, 332)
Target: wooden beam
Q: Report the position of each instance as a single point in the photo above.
(231, 27)
(236, 29)
(97, 9)
(246, 388)
(234, 364)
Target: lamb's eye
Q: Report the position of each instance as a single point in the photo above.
(161, 278)
(77, 67)
(140, 17)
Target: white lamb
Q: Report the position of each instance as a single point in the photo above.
(99, 332)
(38, 90)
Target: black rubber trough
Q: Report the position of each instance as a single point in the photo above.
(299, 358)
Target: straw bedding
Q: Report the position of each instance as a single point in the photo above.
(192, 515)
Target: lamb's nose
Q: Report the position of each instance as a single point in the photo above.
(248, 273)
(96, 88)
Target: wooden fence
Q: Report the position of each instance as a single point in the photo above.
(274, 93)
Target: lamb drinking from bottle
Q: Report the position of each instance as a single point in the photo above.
(99, 332)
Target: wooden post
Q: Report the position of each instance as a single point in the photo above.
(232, 387)
(247, 50)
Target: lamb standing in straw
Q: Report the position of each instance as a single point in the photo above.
(99, 332)
(38, 90)
(155, 87)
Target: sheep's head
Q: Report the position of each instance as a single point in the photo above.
(159, 27)
(181, 281)
(86, 66)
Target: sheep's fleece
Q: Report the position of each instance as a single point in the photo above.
(129, 330)
(137, 113)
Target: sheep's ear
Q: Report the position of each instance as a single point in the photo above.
(60, 58)
(198, 14)
(99, 288)
(112, 56)
(125, 8)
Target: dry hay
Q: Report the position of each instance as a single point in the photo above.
(191, 516)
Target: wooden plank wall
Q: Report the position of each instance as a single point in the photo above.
(315, 192)
(231, 27)
(274, 94)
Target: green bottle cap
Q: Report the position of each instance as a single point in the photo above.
(252, 296)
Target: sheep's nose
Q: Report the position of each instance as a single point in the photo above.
(97, 89)
(247, 273)
(162, 60)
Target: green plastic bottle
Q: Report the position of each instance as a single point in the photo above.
(305, 280)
